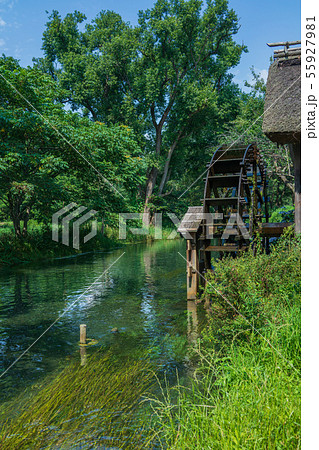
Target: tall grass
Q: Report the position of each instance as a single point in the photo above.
(246, 390)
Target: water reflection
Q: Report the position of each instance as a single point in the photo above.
(192, 322)
(148, 291)
(143, 296)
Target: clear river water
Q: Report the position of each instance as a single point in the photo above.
(143, 296)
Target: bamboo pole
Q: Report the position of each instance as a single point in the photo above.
(290, 51)
(277, 44)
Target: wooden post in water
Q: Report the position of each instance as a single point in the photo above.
(192, 268)
(83, 356)
(191, 225)
(82, 342)
(82, 334)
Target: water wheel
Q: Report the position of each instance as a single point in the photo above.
(235, 187)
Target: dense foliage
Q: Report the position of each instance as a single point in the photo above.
(50, 156)
(167, 78)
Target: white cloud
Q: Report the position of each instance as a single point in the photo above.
(2, 22)
(264, 74)
(2, 42)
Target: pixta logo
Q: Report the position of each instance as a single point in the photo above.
(76, 224)
(235, 225)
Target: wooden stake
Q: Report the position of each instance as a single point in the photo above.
(83, 356)
(83, 334)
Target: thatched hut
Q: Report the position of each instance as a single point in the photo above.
(282, 113)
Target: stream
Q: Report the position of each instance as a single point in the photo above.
(143, 296)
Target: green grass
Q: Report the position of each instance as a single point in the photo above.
(246, 390)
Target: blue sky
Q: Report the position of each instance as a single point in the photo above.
(22, 23)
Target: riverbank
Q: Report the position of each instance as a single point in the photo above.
(38, 245)
(246, 391)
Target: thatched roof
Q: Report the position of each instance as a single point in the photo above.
(282, 116)
(192, 220)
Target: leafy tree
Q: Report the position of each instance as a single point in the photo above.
(30, 162)
(49, 155)
(80, 62)
(167, 77)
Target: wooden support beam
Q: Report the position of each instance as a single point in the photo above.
(224, 248)
(192, 257)
(295, 151)
(273, 229)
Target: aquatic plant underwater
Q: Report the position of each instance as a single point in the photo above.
(83, 406)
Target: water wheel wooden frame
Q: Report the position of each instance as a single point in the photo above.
(236, 186)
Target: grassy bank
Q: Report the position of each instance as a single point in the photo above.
(38, 245)
(246, 391)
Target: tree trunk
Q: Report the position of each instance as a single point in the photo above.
(154, 171)
(102, 226)
(167, 163)
(149, 191)
(169, 175)
(14, 208)
(25, 222)
(16, 225)
(151, 180)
